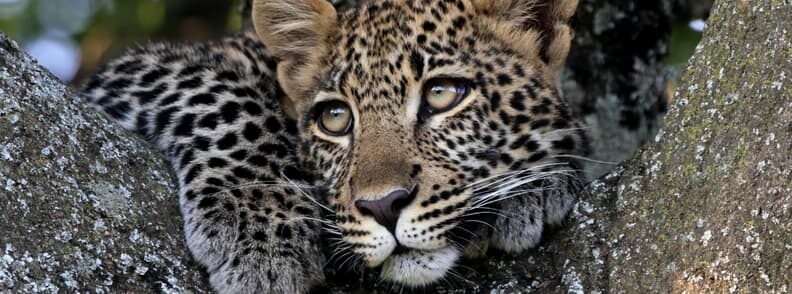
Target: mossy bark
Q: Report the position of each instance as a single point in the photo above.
(708, 206)
(84, 205)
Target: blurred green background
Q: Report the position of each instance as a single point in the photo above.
(73, 37)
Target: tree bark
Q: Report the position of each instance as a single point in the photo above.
(84, 205)
(706, 207)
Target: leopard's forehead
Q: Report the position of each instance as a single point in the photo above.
(384, 47)
(389, 25)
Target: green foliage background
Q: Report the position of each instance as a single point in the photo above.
(103, 28)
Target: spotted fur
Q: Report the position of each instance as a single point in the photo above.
(212, 109)
(496, 169)
(260, 182)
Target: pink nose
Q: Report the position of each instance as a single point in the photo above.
(386, 210)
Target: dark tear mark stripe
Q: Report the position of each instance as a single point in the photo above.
(417, 64)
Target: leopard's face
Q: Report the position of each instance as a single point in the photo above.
(435, 129)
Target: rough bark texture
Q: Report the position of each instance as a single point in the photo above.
(84, 205)
(708, 207)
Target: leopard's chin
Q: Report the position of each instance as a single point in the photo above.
(416, 268)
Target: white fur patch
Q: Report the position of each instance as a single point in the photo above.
(419, 268)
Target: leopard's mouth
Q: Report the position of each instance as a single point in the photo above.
(416, 268)
(406, 265)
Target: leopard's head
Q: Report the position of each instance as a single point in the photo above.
(437, 126)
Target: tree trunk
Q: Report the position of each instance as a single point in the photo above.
(86, 206)
(708, 207)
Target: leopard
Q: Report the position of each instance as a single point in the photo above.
(399, 136)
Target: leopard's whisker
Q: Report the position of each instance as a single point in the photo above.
(459, 276)
(508, 174)
(587, 159)
(346, 255)
(512, 184)
(306, 195)
(339, 250)
(534, 176)
(351, 257)
(259, 184)
(265, 184)
(507, 194)
(494, 195)
(488, 211)
(478, 221)
(469, 240)
(309, 218)
(567, 130)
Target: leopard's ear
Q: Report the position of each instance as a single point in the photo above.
(536, 27)
(295, 32)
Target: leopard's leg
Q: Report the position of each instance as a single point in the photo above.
(251, 242)
(211, 109)
(246, 218)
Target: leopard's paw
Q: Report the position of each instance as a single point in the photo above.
(258, 270)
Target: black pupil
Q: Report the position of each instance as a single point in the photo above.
(337, 112)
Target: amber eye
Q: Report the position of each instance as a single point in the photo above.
(335, 118)
(442, 94)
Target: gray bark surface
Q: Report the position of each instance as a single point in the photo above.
(708, 207)
(84, 205)
(705, 208)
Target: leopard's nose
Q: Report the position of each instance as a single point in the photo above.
(387, 209)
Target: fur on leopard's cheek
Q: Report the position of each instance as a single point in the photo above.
(372, 241)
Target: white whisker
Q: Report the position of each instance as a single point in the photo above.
(478, 221)
(585, 159)
(312, 199)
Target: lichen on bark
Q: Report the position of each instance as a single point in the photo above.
(84, 206)
(707, 207)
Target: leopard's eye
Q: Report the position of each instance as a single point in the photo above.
(442, 94)
(335, 118)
